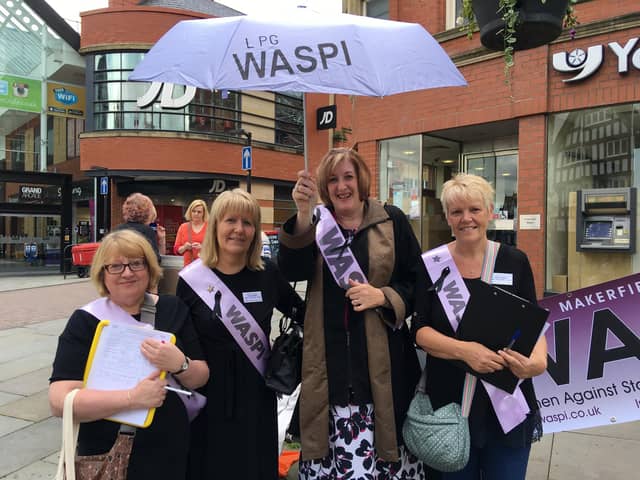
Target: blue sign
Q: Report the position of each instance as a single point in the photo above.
(246, 158)
(65, 96)
(104, 185)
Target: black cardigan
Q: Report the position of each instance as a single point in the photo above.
(347, 368)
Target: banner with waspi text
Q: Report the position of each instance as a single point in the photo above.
(593, 375)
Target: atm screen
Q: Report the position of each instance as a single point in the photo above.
(597, 230)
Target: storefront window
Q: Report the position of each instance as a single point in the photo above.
(595, 148)
(283, 204)
(500, 169)
(289, 129)
(217, 112)
(400, 176)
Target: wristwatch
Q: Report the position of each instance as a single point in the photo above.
(184, 367)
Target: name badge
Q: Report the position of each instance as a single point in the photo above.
(502, 279)
(252, 297)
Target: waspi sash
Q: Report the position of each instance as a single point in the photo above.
(232, 313)
(511, 409)
(104, 309)
(335, 251)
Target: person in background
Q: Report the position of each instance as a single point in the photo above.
(360, 367)
(231, 289)
(161, 232)
(138, 213)
(467, 201)
(124, 268)
(191, 233)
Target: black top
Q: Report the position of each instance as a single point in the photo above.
(160, 450)
(147, 232)
(347, 365)
(445, 379)
(237, 435)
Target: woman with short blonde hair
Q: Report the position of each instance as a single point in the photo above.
(495, 453)
(124, 271)
(127, 243)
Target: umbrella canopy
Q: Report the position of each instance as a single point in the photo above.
(300, 51)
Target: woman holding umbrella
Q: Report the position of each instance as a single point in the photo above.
(359, 364)
(231, 292)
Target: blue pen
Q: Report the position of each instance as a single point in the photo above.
(515, 337)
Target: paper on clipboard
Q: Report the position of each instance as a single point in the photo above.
(116, 363)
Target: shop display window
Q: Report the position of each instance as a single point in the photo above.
(594, 148)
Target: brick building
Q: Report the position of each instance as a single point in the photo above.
(538, 138)
(173, 143)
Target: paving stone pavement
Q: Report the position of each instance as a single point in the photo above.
(34, 310)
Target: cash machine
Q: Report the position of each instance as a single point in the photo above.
(606, 220)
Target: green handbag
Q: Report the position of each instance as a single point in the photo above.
(439, 438)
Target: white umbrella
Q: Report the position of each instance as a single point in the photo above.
(300, 51)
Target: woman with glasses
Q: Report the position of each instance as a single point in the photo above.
(124, 270)
(232, 292)
(359, 367)
(191, 233)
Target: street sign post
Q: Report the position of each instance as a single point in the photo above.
(246, 158)
(104, 185)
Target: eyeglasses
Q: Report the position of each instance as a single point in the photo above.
(134, 265)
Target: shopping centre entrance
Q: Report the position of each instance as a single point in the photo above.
(35, 222)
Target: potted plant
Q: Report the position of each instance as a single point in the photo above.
(341, 136)
(510, 25)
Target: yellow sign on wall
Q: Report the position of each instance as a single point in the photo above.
(65, 100)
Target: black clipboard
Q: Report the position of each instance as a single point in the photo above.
(492, 317)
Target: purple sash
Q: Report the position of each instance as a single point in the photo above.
(234, 316)
(452, 291)
(104, 309)
(511, 409)
(335, 251)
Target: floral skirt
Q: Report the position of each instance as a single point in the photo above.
(352, 454)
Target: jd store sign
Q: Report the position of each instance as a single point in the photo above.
(167, 99)
(584, 64)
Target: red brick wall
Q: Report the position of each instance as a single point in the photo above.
(606, 86)
(137, 25)
(532, 188)
(181, 154)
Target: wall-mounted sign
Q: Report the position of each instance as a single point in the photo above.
(326, 117)
(19, 93)
(65, 100)
(586, 63)
(218, 186)
(30, 193)
(530, 222)
(167, 100)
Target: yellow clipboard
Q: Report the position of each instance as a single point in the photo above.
(116, 363)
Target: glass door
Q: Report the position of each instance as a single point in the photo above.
(29, 244)
(501, 170)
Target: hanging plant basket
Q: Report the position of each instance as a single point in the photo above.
(538, 23)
